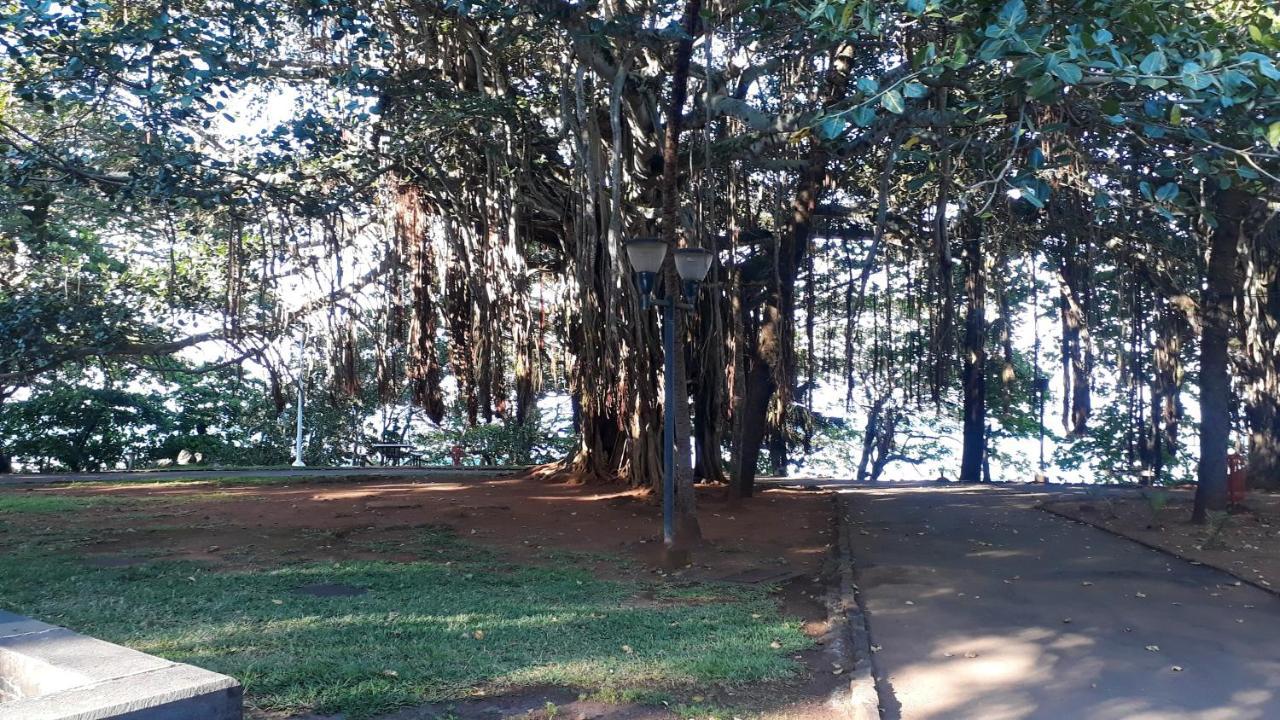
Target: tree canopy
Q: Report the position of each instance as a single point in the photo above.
(925, 205)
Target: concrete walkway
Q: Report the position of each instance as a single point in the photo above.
(983, 607)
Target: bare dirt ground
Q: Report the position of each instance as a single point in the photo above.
(241, 526)
(783, 536)
(1245, 542)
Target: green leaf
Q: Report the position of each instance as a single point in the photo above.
(1044, 86)
(915, 90)
(1167, 192)
(1153, 63)
(1102, 36)
(1069, 72)
(867, 85)
(864, 116)
(892, 101)
(1013, 13)
(831, 127)
(1267, 67)
(916, 7)
(1193, 78)
(1273, 134)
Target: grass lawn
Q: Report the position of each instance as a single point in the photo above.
(13, 504)
(461, 619)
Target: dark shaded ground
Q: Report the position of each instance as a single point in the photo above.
(984, 607)
(1244, 542)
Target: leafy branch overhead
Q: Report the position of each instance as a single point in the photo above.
(901, 197)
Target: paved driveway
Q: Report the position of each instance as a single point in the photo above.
(986, 608)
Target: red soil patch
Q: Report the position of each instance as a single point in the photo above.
(780, 530)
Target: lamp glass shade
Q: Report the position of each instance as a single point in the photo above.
(646, 254)
(692, 264)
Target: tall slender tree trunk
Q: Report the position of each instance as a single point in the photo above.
(1215, 381)
(944, 295)
(975, 358)
(688, 531)
(1167, 388)
(1077, 358)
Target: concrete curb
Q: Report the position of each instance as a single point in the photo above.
(863, 699)
(51, 673)
(1158, 548)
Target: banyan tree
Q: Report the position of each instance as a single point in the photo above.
(948, 208)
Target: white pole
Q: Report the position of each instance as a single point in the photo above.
(297, 443)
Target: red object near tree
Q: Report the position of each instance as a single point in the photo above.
(1235, 479)
(456, 452)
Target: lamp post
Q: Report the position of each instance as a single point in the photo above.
(646, 256)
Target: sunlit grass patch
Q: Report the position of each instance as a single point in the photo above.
(432, 630)
(43, 503)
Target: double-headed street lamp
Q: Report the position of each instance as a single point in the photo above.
(646, 256)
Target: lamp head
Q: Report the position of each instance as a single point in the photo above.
(692, 265)
(646, 256)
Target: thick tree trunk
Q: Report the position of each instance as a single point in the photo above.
(975, 359)
(1263, 470)
(774, 346)
(870, 436)
(707, 464)
(1222, 282)
(1260, 362)
(885, 440)
(759, 388)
